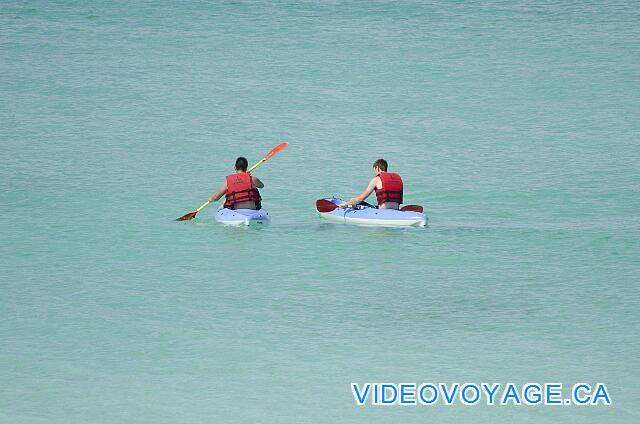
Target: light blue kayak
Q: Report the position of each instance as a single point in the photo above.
(241, 216)
(365, 215)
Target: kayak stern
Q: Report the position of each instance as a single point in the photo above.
(239, 217)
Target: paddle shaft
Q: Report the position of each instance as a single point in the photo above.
(257, 165)
(323, 205)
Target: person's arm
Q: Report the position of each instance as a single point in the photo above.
(366, 193)
(256, 182)
(218, 194)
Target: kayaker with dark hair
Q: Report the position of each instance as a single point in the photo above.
(240, 189)
(387, 185)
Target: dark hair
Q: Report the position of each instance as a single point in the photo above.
(241, 164)
(382, 164)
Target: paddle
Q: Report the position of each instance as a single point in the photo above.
(323, 206)
(273, 151)
(412, 208)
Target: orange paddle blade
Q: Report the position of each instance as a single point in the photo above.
(276, 150)
(323, 205)
(187, 216)
(412, 208)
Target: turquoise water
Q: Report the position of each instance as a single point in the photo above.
(516, 125)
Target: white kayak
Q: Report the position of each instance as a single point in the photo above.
(241, 216)
(366, 215)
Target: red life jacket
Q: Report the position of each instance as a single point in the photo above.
(391, 190)
(240, 189)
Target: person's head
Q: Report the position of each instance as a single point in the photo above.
(241, 164)
(380, 166)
